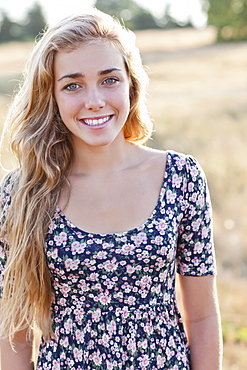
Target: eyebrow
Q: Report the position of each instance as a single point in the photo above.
(80, 75)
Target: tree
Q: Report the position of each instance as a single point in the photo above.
(34, 22)
(229, 17)
(8, 29)
(133, 15)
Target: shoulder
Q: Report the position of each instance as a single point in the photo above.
(153, 156)
(184, 164)
(179, 162)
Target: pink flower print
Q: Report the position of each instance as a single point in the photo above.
(144, 344)
(144, 361)
(205, 232)
(62, 302)
(148, 328)
(110, 266)
(109, 365)
(163, 250)
(104, 298)
(196, 224)
(203, 269)
(176, 180)
(65, 289)
(111, 327)
(101, 255)
(131, 300)
(79, 336)
(201, 200)
(210, 260)
(198, 247)
(54, 253)
(191, 186)
(193, 197)
(68, 326)
(130, 269)
(171, 342)
(171, 254)
(125, 312)
(158, 240)
(77, 354)
(79, 314)
(140, 238)
(162, 225)
(2, 253)
(131, 345)
(97, 359)
(65, 342)
(71, 264)
(120, 296)
(183, 269)
(93, 276)
(146, 280)
(76, 247)
(170, 196)
(194, 172)
(127, 248)
(161, 361)
(55, 365)
(60, 239)
(96, 315)
(105, 340)
(180, 163)
(169, 353)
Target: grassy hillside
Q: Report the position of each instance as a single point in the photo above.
(198, 95)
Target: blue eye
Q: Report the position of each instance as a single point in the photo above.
(110, 81)
(71, 87)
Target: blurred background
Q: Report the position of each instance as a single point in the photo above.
(196, 53)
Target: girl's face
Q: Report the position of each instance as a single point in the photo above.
(91, 89)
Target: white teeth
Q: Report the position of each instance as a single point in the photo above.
(96, 122)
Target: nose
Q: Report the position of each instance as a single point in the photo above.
(94, 99)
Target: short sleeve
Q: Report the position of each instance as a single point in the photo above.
(195, 249)
(4, 207)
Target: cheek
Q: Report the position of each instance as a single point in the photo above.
(66, 107)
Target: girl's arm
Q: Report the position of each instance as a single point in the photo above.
(202, 321)
(21, 358)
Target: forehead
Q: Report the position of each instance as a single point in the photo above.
(91, 56)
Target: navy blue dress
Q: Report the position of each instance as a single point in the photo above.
(114, 303)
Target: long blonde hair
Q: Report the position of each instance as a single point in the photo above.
(42, 145)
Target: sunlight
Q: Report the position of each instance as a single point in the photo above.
(182, 10)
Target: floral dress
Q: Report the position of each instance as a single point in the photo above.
(114, 301)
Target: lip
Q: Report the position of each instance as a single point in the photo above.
(96, 122)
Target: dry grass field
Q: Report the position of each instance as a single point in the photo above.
(198, 99)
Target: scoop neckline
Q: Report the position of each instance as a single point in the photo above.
(130, 231)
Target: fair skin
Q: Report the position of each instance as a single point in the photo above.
(202, 321)
(109, 178)
(20, 358)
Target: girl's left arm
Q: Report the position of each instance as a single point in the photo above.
(202, 321)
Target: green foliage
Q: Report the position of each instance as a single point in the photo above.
(242, 335)
(133, 15)
(33, 24)
(233, 334)
(230, 19)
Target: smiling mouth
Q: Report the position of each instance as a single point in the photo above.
(96, 121)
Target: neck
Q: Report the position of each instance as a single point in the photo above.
(102, 159)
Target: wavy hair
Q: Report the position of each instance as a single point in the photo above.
(42, 145)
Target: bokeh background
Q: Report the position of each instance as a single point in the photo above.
(196, 54)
